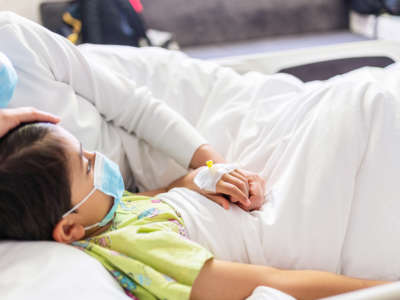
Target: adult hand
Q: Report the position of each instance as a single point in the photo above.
(256, 190)
(12, 117)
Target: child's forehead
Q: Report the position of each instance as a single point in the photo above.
(67, 138)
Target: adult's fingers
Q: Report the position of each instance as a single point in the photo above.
(241, 184)
(219, 200)
(260, 183)
(29, 114)
(12, 117)
(233, 191)
(245, 207)
(240, 176)
(257, 197)
(255, 204)
(241, 173)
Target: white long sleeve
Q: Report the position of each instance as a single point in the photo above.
(49, 57)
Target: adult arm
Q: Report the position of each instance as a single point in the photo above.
(117, 98)
(203, 153)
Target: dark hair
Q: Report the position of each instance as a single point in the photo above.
(34, 182)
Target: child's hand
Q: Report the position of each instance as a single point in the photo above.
(244, 188)
(232, 187)
(250, 184)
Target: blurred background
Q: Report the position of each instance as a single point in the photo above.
(215, 28)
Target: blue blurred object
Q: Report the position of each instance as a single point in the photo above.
(367, 6)
(8, 80)
(112, 22)
(392, 6)
(376, 7)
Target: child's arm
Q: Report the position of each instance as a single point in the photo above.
(153, 192)
(217, 279)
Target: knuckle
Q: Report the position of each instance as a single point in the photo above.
(243, 186)
(236, 190)
(260, 179)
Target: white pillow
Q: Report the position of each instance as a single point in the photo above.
(50, 270)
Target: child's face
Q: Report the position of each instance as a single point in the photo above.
(81, 167)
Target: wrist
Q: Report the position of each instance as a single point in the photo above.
(202, 154)
(180, 182)
(184, 181)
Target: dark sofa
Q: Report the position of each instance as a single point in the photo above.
(197, 22)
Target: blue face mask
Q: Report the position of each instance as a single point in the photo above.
(108, 179)
(8, 80)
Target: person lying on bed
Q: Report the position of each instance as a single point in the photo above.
(55, 76)
(52, 188)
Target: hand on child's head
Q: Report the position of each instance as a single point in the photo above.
(12, 117)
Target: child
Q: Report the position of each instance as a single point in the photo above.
(51, 188)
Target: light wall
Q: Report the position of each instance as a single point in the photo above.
(26, 8)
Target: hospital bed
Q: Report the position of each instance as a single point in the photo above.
(318, 63)
(47, 270)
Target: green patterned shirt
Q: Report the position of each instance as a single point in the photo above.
(147, 250)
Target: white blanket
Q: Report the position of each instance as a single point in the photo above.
(330, 153)
(331, 156)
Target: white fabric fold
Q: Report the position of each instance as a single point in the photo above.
(330, 154)
(267, 293)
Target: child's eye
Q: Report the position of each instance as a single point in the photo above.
(89, 168)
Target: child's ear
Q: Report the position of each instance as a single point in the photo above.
(68, 231)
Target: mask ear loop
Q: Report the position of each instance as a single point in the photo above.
(91, 226)
(80, 203)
